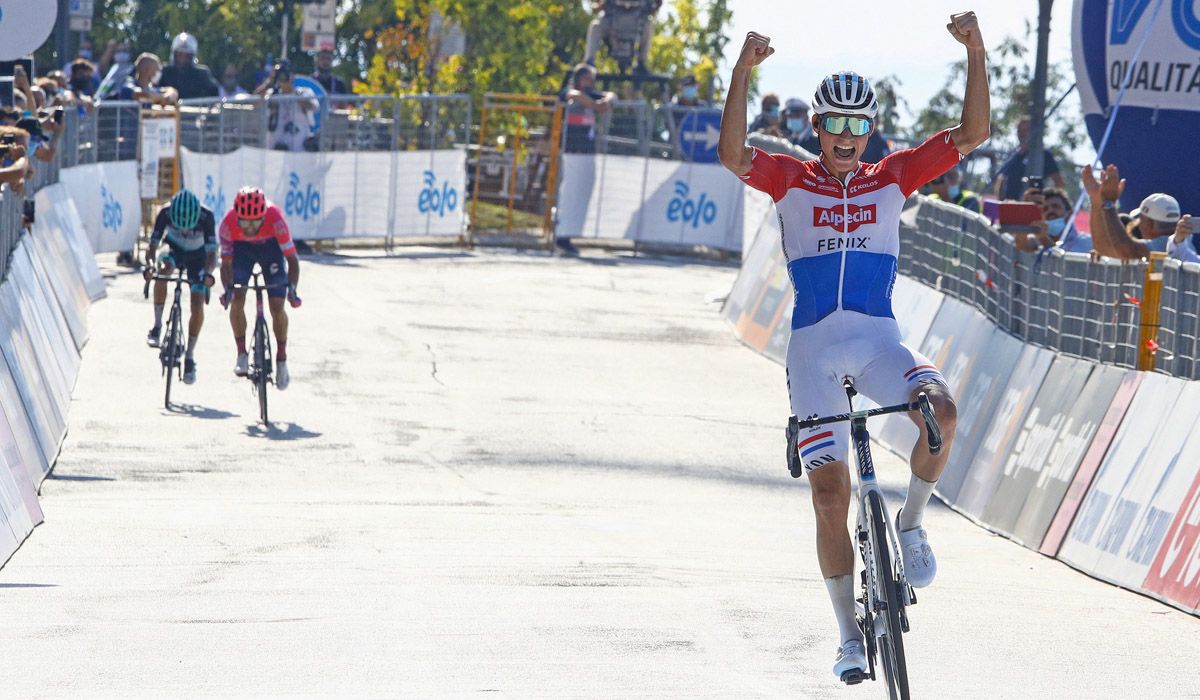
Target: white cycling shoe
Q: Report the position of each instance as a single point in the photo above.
(281, 375)
(920, 566)
(851, 663)
(242, 367)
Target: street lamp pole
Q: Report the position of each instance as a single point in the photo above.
(1035, 166)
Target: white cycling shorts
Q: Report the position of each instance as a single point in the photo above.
(869, 350)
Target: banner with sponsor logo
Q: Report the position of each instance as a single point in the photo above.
(1130, 507)
(339, 195)
(1000, 432)
(1044, 463)
(109, 203)
(1174, 574)
(1090, 464)
(1162, 90)
(58, 222)
(650, 200)
(1104, 518)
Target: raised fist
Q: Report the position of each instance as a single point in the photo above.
(964, 27)
(756, 50)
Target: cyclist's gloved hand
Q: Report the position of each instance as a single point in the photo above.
(147, 273)
(226, 296)
(292, 297)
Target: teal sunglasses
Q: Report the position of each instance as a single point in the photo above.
(858, 126)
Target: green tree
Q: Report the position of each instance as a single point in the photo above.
(690, 40)
(1010, 74)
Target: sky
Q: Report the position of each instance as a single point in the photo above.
(907, 38)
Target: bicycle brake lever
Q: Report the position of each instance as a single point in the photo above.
(933, 431)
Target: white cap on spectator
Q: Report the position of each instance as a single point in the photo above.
(1160, 207)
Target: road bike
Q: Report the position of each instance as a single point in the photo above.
(260, 371)
(170, 347)
(885, 590)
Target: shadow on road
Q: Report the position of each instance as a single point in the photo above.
(280, 431)
(336, 260)
(56, 476)
(187, 409)
(28, 585)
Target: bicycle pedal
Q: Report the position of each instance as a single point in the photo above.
(854, 676)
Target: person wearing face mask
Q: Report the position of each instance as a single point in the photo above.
(118, 73)
(324, 74)
(190, 78)
(1051, 231)
(767, 121)
(230, 89)
(796, 122)
(689, 92)
(948, 188)
(83, 82)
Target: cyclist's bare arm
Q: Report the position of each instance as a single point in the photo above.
(732, 149)
(975, 126)
(293, 264)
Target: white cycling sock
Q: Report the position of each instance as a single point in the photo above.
(191, 349)
(841, 594)
(919, 492)
(158, 309)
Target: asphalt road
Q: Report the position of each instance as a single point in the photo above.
(506, 474)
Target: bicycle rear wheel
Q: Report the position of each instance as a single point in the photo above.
(261, 361)
(172, 352)
(891, 642)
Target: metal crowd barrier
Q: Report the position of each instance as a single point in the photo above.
(344, 123)
(1063, 301)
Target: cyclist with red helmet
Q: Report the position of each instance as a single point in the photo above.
(255, 232)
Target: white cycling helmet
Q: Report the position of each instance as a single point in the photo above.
(846, 92)
(185, 43)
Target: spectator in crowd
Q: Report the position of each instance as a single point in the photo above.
(14, 166)
(323, 74)
(796, 121)
(1049, 233)
(83, 78)
(1149, 228)
(140, 87)
(23, 96)
(689, 92)
(948, 188)
(1182, 245)
(118, 72)
(583, 103)
(289, 126)
(105, 62)
(85, 53)
(40, 145)
(229, 88)
(1010, 182)
(190, 78)
(768, 120)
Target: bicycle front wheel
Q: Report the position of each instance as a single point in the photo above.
(172, 352)
(261, 360)
(891, 641)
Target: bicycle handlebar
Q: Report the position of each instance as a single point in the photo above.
(933, 432)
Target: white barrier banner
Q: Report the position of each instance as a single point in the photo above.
(149, 159)
(107, 197)
(650, 200)
(338, 195)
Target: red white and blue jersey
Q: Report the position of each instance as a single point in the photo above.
(842, 241)
(274, 227)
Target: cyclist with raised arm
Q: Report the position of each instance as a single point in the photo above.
(841, 236)
(254, 231)
(189, 231)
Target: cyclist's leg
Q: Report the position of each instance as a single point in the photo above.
(275, 277)
(243, 265)
(815, 389)
(195, 274)
(166, 267)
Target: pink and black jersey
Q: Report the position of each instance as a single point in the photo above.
(274, 228)
(842, 241)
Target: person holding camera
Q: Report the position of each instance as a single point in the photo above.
(14, 165)
(1052, 231)
(292, 108)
